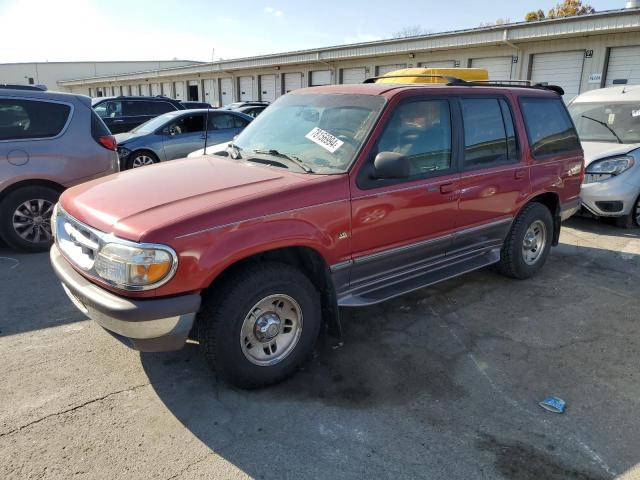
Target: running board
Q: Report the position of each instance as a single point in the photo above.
(405, 284)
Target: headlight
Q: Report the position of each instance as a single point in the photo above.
(134, 268)
(611, 166)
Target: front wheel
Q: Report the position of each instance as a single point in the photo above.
(528, 243)
(141, 158)
(632, 219)
(259, 327)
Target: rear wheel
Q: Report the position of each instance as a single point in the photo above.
(528, 243)
(259, 327)
(141, 158)
(25, 218)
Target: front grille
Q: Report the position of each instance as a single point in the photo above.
(79, 243)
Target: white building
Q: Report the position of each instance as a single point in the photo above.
(50, 73)
(578, 53)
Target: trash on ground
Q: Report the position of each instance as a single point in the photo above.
(553, 404)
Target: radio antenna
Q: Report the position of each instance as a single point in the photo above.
(206, 117)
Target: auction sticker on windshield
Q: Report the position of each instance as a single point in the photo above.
(324, 139)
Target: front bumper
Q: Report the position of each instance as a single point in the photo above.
(597, 195)
(148, 325)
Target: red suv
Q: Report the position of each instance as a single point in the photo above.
(336, 196)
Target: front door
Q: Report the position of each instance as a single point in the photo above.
(406, 224)
(183, 136)
(494, 182)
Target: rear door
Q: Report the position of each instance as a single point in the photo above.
(136, 112)
(183, 136)
(406, 223)
(494, 181)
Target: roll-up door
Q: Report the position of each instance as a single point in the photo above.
(499, 68)
(246, 88)
(292, 81)
(559, 68)
(166, 89)
(353, 75)
(209, 94)
(624, 64)
(384, 69)
(320, 77)
(155, 89)
(226, 91)
(179, 90)
(268, 88)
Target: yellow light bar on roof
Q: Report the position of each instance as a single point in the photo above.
(409, 75)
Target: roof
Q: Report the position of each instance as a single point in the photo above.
(617, 93)
(611, 21)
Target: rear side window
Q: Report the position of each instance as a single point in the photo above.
(489, 136)
(549, 126)
(222, 121)
(98, 128)
(23, 119)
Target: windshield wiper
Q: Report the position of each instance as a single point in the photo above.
(291, 158)
(605, 126)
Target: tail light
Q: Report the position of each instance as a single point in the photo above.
(108, 142)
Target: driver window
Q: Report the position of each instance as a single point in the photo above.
(110, 109)
(422, 132)
(187, 124)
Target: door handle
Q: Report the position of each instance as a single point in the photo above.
(118, 121)
(447, 188)
(519, 174)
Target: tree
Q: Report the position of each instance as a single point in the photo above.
(567, 8)
(497, 22)
(411, 31)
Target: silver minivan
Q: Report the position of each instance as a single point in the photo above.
(48, 141)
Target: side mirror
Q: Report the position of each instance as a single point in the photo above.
(389, 165)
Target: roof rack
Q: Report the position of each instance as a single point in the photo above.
(39, 88)
(454, 81)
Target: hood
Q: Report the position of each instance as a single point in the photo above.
(123, 137)
(216, 190)
(598, 150)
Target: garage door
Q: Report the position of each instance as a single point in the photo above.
(320, 77)
(155, 89)
(209, 90)
(178, 88)
(438, 64)
(246, 88)
(144, 89)
(559, 68)
(384, 69)
(353, 75)
(268, 88)
(292, 81)
(624, 63)
(226, 91)
(166, 89)
(499, 68)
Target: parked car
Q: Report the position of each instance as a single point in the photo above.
(188, 104)
(336, 196)
(48, 141)
(251, 110)
(249, 103)
(176, 134)
(122, 114)
(608, 122)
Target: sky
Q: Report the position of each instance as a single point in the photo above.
(75, 30)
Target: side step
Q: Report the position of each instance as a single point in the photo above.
(415, 281)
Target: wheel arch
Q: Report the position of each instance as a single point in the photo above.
(551, 200)
(36, 182)
(310, 261)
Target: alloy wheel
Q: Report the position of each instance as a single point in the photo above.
(271, 330)
(32, 220)
(142, 161)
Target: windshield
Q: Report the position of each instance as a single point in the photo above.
(617, 122)
(323, 131)
(152, 125)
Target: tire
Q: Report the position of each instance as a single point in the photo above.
(228, 321)
(141, 158)
(632, 219)
(514, 262)
(25, 216)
